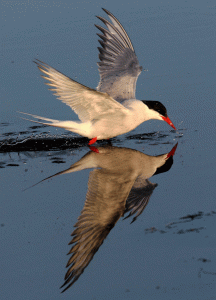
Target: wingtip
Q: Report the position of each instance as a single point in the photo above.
(62, 286)
(63, 289)
(97, 26)
(100, 18)
(40, 63)
(103, 30)
(134, 219)
(106, 11)
(68, 286)
(36, 61)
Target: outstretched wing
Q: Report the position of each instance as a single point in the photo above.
(118, 67)
(87, 103)
(105, 204)
(139, 197)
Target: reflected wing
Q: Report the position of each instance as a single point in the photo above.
(118, 67)
(105, 204)
(87, 103)
(139, 197)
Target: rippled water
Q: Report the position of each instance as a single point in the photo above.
(165, 249)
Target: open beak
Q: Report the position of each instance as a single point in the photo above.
(167, 119)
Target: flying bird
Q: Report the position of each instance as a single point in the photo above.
(112, 108)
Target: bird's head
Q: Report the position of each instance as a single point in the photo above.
(159, 111)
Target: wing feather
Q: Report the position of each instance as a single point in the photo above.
(118, 67)
(139, 197)
(104, 205)
(87, 103)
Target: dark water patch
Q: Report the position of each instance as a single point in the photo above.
(189, 218)
(153, 229)
(156, 143)
(156, 137)
(201, 271)
(4, 124)
(147, 136)
(47, 142)
(55, 158)
(18, 134)
(37, 127)
(197, 230)
(192, 217)
(24, 132)
(204, 260)
(9, 134)
(42, 143)
(58, 162)
(22, 158)
(173, 226)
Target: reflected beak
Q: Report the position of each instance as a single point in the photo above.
(172, 152)
(167, 119)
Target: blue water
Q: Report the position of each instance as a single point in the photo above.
(169, 251)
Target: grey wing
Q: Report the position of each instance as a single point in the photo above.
(103, 207)
(139, 197)
(118, 67)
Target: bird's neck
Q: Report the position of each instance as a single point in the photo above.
(140, 111)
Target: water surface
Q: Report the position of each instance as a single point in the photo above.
(168, 252)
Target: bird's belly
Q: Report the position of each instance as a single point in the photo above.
(105, 129)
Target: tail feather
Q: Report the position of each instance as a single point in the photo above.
(54, 123)
(47, 124)
(38, 117)
(74, 126)
(73, 168)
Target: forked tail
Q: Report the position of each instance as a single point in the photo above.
(68, 125)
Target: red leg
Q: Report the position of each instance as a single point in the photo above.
(93, 141)
(94, 149)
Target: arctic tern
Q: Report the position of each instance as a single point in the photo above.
(112, 108)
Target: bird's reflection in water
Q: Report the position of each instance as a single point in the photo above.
(118, 184)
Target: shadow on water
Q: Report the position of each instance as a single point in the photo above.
(31, 143)
(32, 140)
(119, 184)
(174, 226)
(42, 143)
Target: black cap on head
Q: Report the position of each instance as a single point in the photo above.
(165, 167)
(157, 106)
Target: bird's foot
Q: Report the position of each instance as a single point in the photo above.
(92, 141)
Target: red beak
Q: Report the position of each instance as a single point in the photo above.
(172, 152)
(167, 119)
